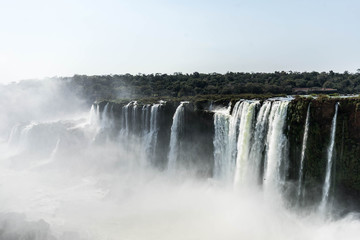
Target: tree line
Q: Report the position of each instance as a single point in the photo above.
(231, 83)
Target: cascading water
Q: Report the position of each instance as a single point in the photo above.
(221, 143)
(258, 146)
(154, 128)
(178, 121)
(134, 116)
(94, 116)
(276, 142)
(302, 157)
(243, 143)
(145, 118)
(240, 143)
(105, 120)
(225, 141)
(150, 136)
(330, 150)
(125, 127)
(233, 135)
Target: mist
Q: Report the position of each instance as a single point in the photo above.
(63, 177)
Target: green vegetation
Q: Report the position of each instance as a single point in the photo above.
(180, 85)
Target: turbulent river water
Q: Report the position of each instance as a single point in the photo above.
(65, 174)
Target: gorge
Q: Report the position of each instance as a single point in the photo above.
(176, 169)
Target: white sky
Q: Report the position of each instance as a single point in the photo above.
(45, 38)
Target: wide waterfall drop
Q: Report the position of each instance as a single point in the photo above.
(330, 151)
(276, 143)
(178, 121)
(242, 171)
(303, 150)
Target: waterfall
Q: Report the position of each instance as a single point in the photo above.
(94, 116)
(225, 141)
(221, 143)
(176, 126)
(303, 149)
(154, 126)
(233, 136)
(276, 143)
(330, 150)
(150, 136)
(243, 143)
(125, 128)
(105, 120)
(134, 112)
(145, 118)
(258, 146)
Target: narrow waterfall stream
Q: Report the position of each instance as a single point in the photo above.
(330, 151)
(302, 157)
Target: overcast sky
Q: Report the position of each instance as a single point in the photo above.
(44, 38)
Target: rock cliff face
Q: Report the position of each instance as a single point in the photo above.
(346, 166)
(197, 135)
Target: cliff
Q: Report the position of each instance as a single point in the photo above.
(197, 135)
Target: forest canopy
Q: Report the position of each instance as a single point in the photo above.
(182, 85)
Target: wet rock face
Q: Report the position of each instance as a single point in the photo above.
(347, 162)
(345, 182)
(196, 137)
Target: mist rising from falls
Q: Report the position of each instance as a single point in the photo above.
(94, 176)
(330, 150)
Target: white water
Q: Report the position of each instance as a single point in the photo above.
(225, 141)
(145, 118)
(176, 126)
(330, 151)
(302, 157)
(150, 140)
(105, 121)
(134, 114)
(276, 144)
(240, 143)
(221, 143)
(258, 145)
(125, 128)
(233, 136)
(242, 170)
(89, 191)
